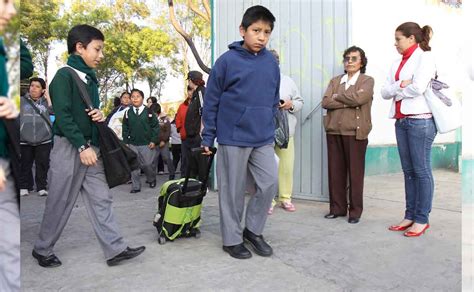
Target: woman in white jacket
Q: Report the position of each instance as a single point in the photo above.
(414, 127)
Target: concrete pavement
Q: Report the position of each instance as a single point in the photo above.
(310, 253)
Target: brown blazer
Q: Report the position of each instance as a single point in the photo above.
(348, 113)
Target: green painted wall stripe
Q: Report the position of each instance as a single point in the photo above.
(385, 159)
(467, 178)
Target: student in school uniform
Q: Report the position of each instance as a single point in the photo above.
(140, 130)
(75, 163)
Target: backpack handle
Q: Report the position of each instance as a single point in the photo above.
(194, 151)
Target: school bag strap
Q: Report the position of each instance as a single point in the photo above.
(82, 88)
(36, 109)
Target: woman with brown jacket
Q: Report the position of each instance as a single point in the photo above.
(348, 100)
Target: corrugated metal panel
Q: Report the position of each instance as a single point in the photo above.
(310, 37)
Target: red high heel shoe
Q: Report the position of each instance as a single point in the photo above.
(399, 228)
(416, 234)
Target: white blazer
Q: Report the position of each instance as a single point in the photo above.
(420, 67)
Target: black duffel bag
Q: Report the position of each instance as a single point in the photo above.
(119, 160)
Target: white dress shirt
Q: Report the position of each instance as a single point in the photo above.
(351, 81)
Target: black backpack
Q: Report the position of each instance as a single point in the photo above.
(192, 124)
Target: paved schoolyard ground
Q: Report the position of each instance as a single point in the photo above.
(310, 253)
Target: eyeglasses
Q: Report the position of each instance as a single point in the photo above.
(353, 59)
(190, 88)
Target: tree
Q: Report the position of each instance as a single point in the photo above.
(200, 22)
(40, 26)
(155, 76)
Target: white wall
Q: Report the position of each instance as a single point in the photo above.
(374, 32)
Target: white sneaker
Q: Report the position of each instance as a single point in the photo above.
(43, 193)
(24, 192)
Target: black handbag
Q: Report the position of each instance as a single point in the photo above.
(119, 160)
(282, 132)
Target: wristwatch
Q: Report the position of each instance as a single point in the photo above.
(83, 147)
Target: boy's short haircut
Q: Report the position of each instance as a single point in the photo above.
(139, 92)
(84, 34)
(256, 13)
(40, 80)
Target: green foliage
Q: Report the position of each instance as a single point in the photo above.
(40, 26)
(136, 40)
(107, 106)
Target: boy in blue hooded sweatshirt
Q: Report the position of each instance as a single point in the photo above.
(241, 99)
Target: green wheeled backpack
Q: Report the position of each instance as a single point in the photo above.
(179, 205)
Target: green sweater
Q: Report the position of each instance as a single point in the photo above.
(140, 130)
(3, 92)
(72, 120)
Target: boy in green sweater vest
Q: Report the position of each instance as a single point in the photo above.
(140, 130)
(9, 209)
(75, 163)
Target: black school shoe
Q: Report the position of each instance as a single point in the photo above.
(353, 220)
(128, 253)
(238, 251)
(258, 243)
(50, 261)
(333, 216)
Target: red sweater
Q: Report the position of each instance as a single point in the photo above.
(181, 118)
(406, 55)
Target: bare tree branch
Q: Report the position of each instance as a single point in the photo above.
(197, 11)
(186, 37)
(205, 3)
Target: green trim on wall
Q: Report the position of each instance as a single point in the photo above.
(385, 159)
(467, 178)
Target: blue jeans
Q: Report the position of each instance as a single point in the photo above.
(414, 139)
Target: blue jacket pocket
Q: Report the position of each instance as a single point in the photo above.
(254, 126)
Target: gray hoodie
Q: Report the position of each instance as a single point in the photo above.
(289, 91)
(34, 130)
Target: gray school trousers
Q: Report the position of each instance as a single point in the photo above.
(68, 178)
(146, 156)
(232, 165)
(9, 234)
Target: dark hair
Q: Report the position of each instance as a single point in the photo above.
(155, 108)
(198, 82)
(256, 13)
(139, 92)
(363, 58)
(40, 80)
(422, 35)
(123, 93)
(84, 34)
(117, 101)
(153, 99)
